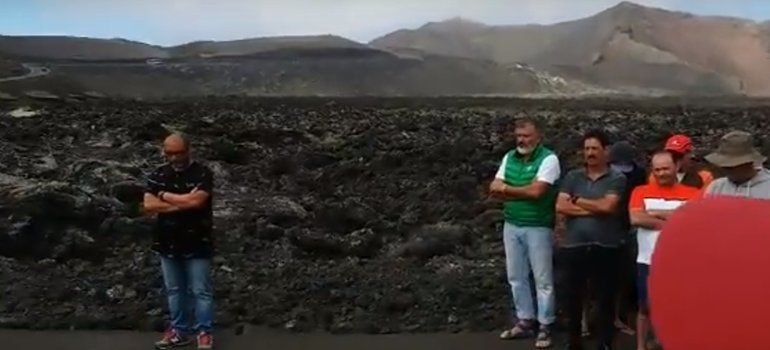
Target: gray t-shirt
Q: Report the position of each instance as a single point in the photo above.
(601, 230)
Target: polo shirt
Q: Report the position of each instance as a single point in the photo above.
(606, 230)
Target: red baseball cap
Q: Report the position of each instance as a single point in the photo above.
(680, 144)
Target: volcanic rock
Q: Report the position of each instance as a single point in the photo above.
(42, 95)
(433, 240)
(7, 97)
(45, 165)
(23, 112)
(367, 215)
(94, 94)
(280, 210)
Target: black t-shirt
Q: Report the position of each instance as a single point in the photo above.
(634, 178)
(183, 234)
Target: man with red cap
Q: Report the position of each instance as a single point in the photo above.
(681, 148)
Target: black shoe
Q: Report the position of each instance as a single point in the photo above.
(604, 347)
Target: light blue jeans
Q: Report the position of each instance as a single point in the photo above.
(530, 249)
(188, 287)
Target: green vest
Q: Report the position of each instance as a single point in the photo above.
(528, 212)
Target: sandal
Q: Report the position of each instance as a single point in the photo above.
(521, 330)
(652, 341)
(544, 340)
(623, 328)
(585, 331)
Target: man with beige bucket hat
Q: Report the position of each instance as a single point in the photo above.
(742, 165)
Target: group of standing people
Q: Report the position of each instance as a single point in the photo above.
(591, 215)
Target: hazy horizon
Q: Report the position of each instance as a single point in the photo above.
(175, 22)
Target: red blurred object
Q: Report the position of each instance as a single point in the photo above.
(709, 282)
(681, 144)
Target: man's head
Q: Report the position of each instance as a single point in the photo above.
(664, 168)
(528, 135)
(176, 148)
(595, 147)
(622, 156)
(737, 156)
(740, 174)
(681, 148)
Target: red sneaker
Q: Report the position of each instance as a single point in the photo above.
(172, 339)
(205, 341)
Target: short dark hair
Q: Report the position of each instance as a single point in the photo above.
(599, 135)
(522, 122)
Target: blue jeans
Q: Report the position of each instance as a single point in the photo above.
(188, 288)
(530, 249)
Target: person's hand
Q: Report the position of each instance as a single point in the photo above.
(497, 187)
(663, 215)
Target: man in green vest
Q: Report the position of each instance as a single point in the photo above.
(526, 181)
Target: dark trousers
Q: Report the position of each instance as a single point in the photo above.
(599, 265)
(627, 288)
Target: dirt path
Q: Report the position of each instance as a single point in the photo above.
(268, 339)
(33, 71)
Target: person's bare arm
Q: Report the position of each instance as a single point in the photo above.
(193, 200)
(153, 205)
(641, 218)
(661, 214)
(605, 205)
(534, 190)
(566, 208)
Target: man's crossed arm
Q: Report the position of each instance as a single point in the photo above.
(602, 206)
(534, 190)
(564, 206)
(166, 202)
(154, 205)
(649, 219)
(192, 200)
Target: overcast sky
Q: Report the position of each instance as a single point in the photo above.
(172, 22)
